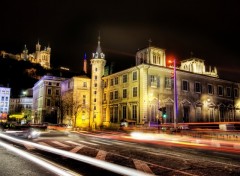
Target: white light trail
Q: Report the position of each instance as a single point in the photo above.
(92, 161)
(36, 160)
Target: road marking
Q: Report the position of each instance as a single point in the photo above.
(60, 144)
(75, 143)
(142, 166)
(88, 142)
(100, 142)
(28, 147)
(101, 155)
(43, 143)
(76, 149)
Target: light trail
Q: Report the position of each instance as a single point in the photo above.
(92, 161)
(36, 160)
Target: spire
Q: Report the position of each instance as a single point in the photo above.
(149, 42)
(99, 50)
(85, 63)
(98, 53)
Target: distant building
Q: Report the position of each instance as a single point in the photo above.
(22, 107)
(5, 93)
(41, 57)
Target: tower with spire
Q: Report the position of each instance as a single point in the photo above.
(98, 63)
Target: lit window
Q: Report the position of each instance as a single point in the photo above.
(134, 112)
(168, 82)
(84, 84)
(111, 82)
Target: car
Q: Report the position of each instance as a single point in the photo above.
(26, 133)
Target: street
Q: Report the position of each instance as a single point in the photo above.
(154, 154)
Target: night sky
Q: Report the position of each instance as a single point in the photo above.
(210, 30)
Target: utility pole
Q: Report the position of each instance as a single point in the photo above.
(175, 94)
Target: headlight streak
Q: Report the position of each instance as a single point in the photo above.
(97, 163)
(36, 160)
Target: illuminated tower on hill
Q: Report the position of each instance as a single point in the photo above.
(98, 63)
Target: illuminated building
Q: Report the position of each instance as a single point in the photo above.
(46, 99)
(137, 93)
(41, 57)
(4, 102)
(75, 93)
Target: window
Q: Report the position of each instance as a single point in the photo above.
(116, 81)
(57, 92)
(48, 102)
(134, 112)
(185, 85)
(198, 87)
(115, 118)
(235, 92)
(135, 92)
(49, 91)
(84, 99)
(94, 109)
(116, 94)
(153, 81)
(111, 95)
(125, 78)
(95, 92)
(57, 84)
(49, 83)
(95, 85)
(2, 98)
(105, 83)
(111, 82)
(104, 97)
(6, 98)
(84, 84)
(95, 77)
(168, 83)
(134, 78)
(220, 90)
(124, 93)
(210, 88)
(228, 91)
(95, 69)
(95, 100)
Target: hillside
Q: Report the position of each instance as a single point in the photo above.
(21, 75)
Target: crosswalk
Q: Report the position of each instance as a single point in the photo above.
(77, 146)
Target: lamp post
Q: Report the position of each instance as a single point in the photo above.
(175, 94)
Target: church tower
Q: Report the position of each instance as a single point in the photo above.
(98, 63)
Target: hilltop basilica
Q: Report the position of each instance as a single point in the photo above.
(41, 57)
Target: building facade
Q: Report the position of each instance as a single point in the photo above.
(46, 99)
(138, 93)
(5, 93)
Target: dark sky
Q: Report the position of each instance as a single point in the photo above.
(210, 29)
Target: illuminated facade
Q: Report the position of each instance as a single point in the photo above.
(137, 93)
(41, 57)
(75, 93)
(46, 99)
(4, 102)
